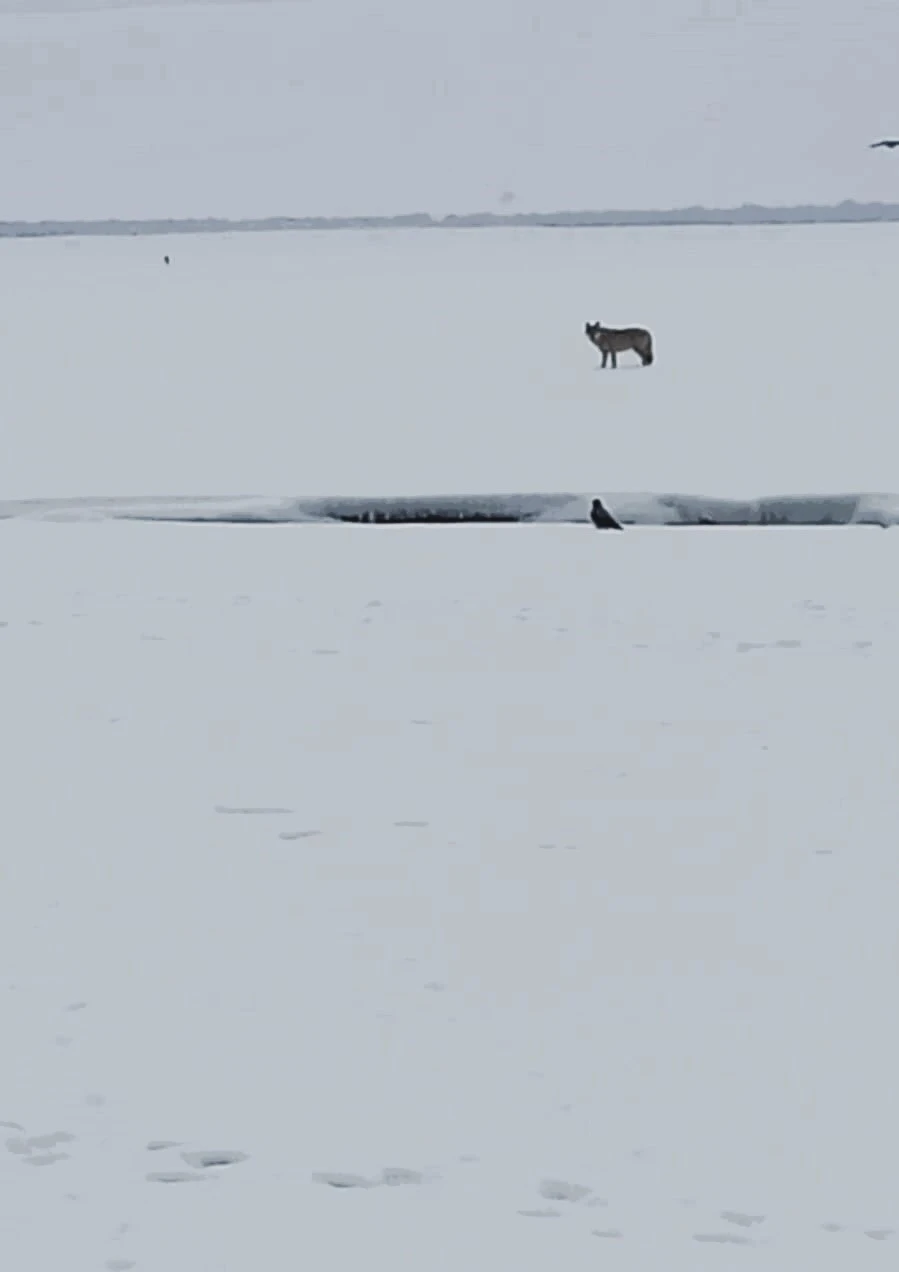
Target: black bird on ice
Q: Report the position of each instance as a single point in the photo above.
(890, 143)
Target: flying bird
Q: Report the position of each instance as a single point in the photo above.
(890, 143)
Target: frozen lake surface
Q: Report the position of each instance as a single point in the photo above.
(440, 362)
(551, 873)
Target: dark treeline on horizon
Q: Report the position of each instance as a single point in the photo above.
(844, 213)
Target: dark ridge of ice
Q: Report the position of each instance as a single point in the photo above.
(564, 508)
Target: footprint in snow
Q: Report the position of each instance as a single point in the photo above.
(341, 1180)
(741, 1220)
(209, 1159)
(558, 1190)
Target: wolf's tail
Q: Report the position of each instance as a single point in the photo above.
(647, 353)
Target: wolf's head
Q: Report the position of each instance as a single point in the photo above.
(592, 330)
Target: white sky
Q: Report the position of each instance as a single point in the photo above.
(357, 106)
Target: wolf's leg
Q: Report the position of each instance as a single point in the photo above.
(605, 358)
(614, 359)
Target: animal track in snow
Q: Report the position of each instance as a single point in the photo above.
(555, 1190)
(19, 1146)
(209, 1159)
(396, 1176)
(46, 1159)
(339, 1180)
(558, 1190)
(743, 1221)
(390, 1177)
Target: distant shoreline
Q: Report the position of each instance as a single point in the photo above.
(748, 214)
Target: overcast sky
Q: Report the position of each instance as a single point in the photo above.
(383, 106)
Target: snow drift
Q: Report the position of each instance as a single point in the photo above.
(629, 509)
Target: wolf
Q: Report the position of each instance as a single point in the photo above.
(610, 342)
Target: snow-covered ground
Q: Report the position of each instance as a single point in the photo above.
(424, 362)
(552, 873)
